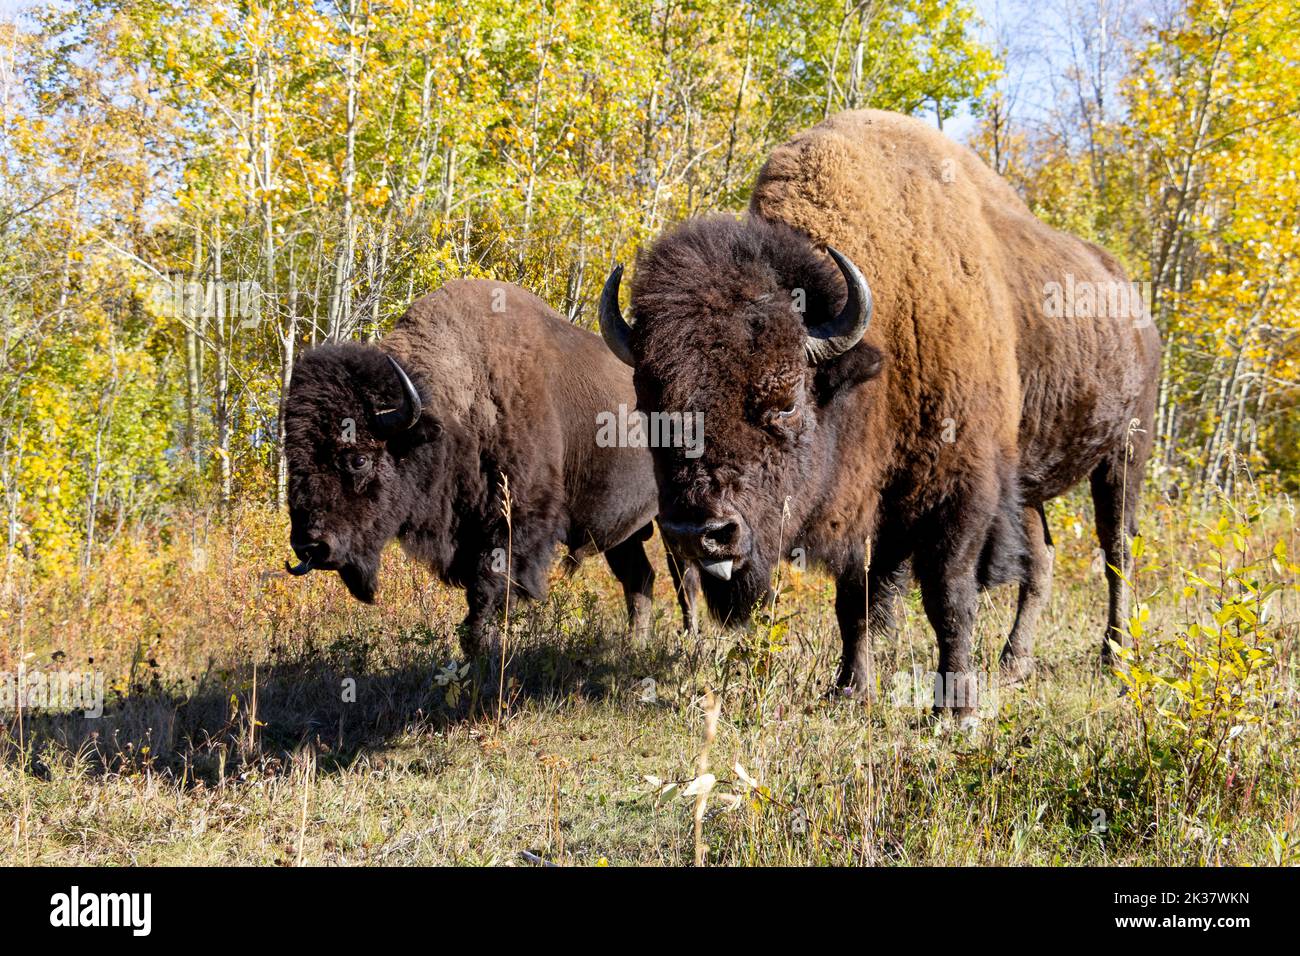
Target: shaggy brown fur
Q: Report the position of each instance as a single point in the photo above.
(509, 390)
(940, 435)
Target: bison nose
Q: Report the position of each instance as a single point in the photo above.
(312, 554)
(718, 542)
(317, 551)
(719, 535)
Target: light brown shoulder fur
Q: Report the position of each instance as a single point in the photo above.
(958, 266)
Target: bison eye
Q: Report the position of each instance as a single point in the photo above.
(783, 415)
(781, 420)
(357, 462)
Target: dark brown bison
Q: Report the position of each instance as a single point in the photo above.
(480, 387)
(923, 408)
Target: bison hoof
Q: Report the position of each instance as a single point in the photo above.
(949, 722)
(481, 647)
(1014, 670)
(1108, 662)
(861, 693)
(637, 637)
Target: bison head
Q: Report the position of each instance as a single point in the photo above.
(748, 323)
(352, 416)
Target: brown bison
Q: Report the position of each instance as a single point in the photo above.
(480, 387)
(915, 392)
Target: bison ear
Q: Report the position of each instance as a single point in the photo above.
(427, 429)
(859, 364)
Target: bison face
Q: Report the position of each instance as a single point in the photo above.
(747, 323)
(352, 418)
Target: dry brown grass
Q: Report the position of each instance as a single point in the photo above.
(197, 762)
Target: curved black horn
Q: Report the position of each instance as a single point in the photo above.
(841, 333)
(408, 413)
(613, 328)
(298, 570)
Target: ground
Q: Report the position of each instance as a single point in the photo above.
(253, 718)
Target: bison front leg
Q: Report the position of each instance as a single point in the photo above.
(686, 585)
(863, 615)
(630, 565)
(857, 677)
(480, 633)
(950, 593)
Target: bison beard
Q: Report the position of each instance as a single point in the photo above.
(361, 575)
(734, 601)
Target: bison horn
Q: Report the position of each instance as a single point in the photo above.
(613, 328)
(405, 416)
(299, 569)
(841, 333)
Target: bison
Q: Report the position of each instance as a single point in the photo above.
(889, 374)
(480, 390)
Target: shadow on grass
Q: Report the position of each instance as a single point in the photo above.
(341, 702)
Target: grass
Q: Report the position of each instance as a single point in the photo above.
(258, 719)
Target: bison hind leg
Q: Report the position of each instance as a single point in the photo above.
(628, 561)
(1017, 661)
(1116, 493)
